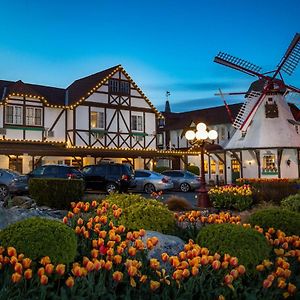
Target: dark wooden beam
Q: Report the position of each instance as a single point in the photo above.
(279, 157)
(257, 156)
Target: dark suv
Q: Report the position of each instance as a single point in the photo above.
(56, 171)
(111, 177)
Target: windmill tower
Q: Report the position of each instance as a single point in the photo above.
(265, 122)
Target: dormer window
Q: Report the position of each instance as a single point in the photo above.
(14, 115)
(117, 86)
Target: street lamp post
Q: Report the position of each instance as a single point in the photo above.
(199, 138)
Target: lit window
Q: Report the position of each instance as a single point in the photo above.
(221, 168)
(213, 167)
(14, 114)
(269, 164)
(160, 139)
(97, 119)
(137, 123)
(33, 116)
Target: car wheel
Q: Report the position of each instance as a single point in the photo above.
(3, 192)
(111, 188)
(185, 187)
(149, 188)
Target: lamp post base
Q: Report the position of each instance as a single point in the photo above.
(203, 198)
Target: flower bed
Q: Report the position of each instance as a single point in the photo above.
(112, 263)
(231, 197)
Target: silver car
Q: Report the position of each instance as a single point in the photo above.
(12, 182)
(149, 181)
(185, 181)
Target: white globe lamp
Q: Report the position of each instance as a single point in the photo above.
(201, 127)
(212, 135)
(201, 135)
(190, 135)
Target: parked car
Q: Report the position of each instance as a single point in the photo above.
(150, 181)
(185, 181)
(56, 171)
(12, 182)
(110, 177)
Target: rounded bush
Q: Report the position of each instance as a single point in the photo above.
(285, 220)
(178, 203)
(291, 203)
(247, 244)
(125, 200)
(38, 237)
(150, 215)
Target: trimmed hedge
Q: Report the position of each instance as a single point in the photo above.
(247, 244)
(160, 169)
(139, 212)
(291, 203)
(39, 237)
(193, 169)
(285, 220)
(56, 193)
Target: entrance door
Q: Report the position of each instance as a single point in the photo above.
(235, 170)
(16, 164)
(176, 163)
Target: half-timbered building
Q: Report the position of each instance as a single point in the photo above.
(101, 116)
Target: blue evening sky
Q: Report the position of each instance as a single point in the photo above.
(163, 44)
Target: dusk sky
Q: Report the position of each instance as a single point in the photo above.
(163, 44)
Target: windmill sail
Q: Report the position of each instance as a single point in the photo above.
(250, 102)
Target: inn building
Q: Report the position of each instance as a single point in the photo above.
(104, 116)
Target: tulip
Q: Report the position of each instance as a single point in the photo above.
(18, 268)
(234, 273)
(60, 269)
(154, 285)
(41, 271)
(117, 276)
(177, 275)
(70, 282)
(45, 260)
(11, 251)
(49, 269)
(28, 274)
(117, 259)
(291, 288)
(108, 265)
(132, 271)
(13, 260)
(216, 264)
(185, 273)
(44, 279)
(16, 277)
(26, 262)
(233, 261)
(195, 271)
(154, 264)
(267, 283)
(132, 251)
(164, 257)
(77, 271)
(143, 278)
(228, 279)
(241, 269)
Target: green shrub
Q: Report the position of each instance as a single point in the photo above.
(291, 203)
(56, 193)
(160, 169)
(194, 169)
(125, 200)
(38, 237)
(285, 220)
(247, 244)
(178, 203)
(152, 215)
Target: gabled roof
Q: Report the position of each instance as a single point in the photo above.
(210, 116)
(72, 96)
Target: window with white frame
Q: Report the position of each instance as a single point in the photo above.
(137, 123)
(14, 114)
(160, 139)
(34, 116)
(119, 86)
(97, 119)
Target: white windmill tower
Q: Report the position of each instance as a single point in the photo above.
(265, 120)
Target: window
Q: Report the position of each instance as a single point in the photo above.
(160, 140)
(14, 114)
(119, 86)
(137, 123)
(97, 119)
(33, 116)
(213, 167)
(269, 164)
(221, 168)
(235, 166)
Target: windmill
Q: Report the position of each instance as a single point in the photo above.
(270, 82)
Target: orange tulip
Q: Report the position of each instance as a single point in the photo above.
(241, 269)
(195, 271)
(26, 262)
(44, 279)
(45, 260)
(132, 251)
(49, 268)
(177, 275)
(117, 259)
(216, 264)
(41, 271)
(233, 261)
(70, 282)
(117, 276)
(154, 285)
(60, 269)
(108, 265)
(260, 268)
(234, 273)
(13, 260)
(89, 266)
(11, 251)
(185, 273)
(291, 288)
(77, 272)
(28, 274)
(154, 264)
(164, 257)
(228, 279)
(16, 277)
(18, 268)
(267, 283)
(143, 278)
(132, 271)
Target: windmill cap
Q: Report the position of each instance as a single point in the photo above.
(259, 85)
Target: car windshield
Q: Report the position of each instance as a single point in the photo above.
(15, 173)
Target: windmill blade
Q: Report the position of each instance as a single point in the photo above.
(292, 89)
(227, 107)
(291, 57)
(238, 64)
